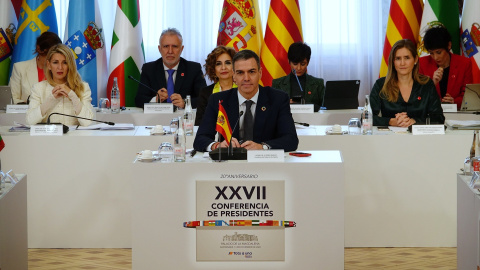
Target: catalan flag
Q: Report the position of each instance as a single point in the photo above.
(8, 28)
(223, 125)
(441, 12)
(284, 27)
(36, 17)
(471, 35)
(240, 25)
(127, 55)
(403, 23)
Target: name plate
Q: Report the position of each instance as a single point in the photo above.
(301, 108)
(158, 108)
(428, 130)
(449, 107)
(15, 108)
(266, 156)
(46, 130)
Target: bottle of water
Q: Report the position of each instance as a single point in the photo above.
(188, 117)
(115, 97)
(367, 117)
(179, 142)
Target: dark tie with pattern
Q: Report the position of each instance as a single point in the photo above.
(170, 85)
(248, 122)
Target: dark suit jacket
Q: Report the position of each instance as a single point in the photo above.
(423, 102)
(314, 89)
(202, 103)
(273, 123)
(460, 74)
(188, 81)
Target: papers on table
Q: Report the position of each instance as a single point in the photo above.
(463, 124)
(103, 126)
(19, 127)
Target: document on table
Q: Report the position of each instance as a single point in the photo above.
(463, 124)
(103, 126)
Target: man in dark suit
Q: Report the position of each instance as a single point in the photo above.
(272, 126)
(173, 76)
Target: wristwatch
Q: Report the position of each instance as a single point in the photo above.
(265, 146)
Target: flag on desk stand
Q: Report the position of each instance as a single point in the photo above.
(8, 28)
(223, 125)
(470, 35)
(127, 55)
(84, 35)
(284, 27)
(403, 23)
(440, 13)
(240, 25)
(36, 17)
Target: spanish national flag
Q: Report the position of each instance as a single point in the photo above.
(223, 126)
(2, 143)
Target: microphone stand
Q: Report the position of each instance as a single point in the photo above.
(302, 100)
(65, 128)
(146, 86)
(230, 147)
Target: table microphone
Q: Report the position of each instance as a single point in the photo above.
(65, 128)
(302, 99)
(302, 124)
(146, 86)
(230, 147)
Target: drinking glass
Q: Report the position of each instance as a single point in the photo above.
(166, 152)
(104, 105)
(354, 126)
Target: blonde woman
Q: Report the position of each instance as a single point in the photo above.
(63, 91)
(405, 97)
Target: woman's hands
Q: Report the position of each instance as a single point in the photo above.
(61, 90)
(402, 120)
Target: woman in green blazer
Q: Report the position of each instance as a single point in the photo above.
(313, 88)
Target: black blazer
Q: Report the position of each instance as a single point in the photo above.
(189, 80)
(273, 123)
(202, 103)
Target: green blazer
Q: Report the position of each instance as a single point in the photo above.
(314, 89)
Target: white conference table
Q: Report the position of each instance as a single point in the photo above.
(399, 190)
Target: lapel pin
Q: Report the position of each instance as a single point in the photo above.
(309, 92)
(263, 108)
(419, 98)
(182, 74)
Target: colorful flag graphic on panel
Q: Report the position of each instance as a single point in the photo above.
(127, 55)
(284, 27)
(8, 28)
(240, 25)
(403, 23)
(36, 17)
(84, 35)
(470, 35)
(440, 13)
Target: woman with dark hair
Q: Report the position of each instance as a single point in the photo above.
(63, 91)
(449, 72)
(27, 73)
(219, 69)
(313, 88)
(404, 97)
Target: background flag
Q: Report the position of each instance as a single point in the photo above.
(223, 125)
(2, 143)
(443, 12)
(36, 17)
(240, 25)
(284, 27)
(127, 55)
(403, 23)
(84, 35)
(8, 28)
(470, 34)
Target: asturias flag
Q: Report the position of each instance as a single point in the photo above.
(440, 12)
(284, 27)
(471, 35)
(36, 17)
(223, 125)
(127, 55)
(84, 35)
(8, 28)
(403, 23)
(240, 25)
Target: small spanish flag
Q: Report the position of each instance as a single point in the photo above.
(223, 125)
(2, 143)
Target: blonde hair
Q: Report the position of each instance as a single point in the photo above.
(390, 90)
(74, 81)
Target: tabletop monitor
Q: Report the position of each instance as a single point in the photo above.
(341, 95)
(471, 99)
(5, 96)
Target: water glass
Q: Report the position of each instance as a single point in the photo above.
(173, 125)
(165, 152)
(354, 126)
(104, 105)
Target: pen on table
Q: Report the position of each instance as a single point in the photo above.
(193, 152)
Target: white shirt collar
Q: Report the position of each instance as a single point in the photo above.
(241, 99)
(174, 68)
